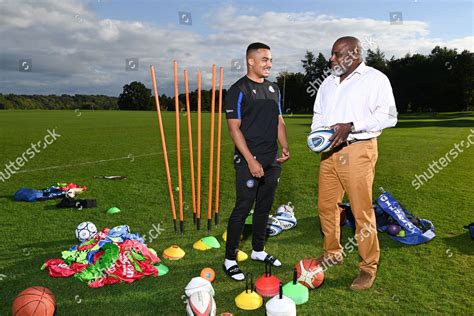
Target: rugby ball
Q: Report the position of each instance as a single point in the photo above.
(198, 284)
(273, 226)
(201, 303)
(285, 208)
(318, 140)
(287, 220)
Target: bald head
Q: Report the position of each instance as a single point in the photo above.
(346, 55)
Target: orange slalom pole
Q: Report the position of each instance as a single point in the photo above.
(163, 144)
(211, 149)
(190, 138)
(218, 163)
(198, 195)
(178, 148)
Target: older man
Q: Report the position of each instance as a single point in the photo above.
(357, 101)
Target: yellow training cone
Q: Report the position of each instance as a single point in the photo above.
(242, 256)
(173, 252)
(200, 245)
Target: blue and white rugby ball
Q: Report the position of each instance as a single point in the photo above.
(318, 140)
(273, 226)
(287, 220)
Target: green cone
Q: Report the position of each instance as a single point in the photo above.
(248, 220)
(162, 269)
(113, 210)
(297, 292)
(211, 241)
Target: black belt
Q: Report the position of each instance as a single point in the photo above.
(349, 142)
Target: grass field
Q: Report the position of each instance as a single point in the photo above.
(433, 278)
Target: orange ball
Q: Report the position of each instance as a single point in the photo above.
(36, 300)
(208, 274)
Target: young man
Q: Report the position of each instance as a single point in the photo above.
(357, 101)
(255, 123)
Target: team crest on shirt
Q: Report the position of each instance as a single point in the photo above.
(254, 91)
(270, 88)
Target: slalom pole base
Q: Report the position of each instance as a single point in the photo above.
(181, 227)
(198, 223)
(216, 218)
(209, 226)
(194, 218)
(175, 227)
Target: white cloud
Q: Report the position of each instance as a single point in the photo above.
(74, 51)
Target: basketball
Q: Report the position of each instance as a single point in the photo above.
(208, 274)
(35, 300)
(309, 273)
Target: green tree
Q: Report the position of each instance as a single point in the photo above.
(376, 59)
(135, 96)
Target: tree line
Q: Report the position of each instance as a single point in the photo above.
(441, 81)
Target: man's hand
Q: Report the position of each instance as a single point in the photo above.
(341, 133)
(285, 155)
(255, 168)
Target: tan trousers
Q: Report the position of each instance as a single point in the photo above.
(350, 169)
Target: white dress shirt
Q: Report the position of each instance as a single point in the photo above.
(364, 98)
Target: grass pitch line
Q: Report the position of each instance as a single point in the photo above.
(130, 156)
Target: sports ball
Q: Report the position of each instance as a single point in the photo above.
(34, 301)
(273, 226)
(208, 274)
(198, 284)
(285, 208)
(287, 220)
(318, 140)
(402, 233)
(393, 229)
(201, 303)
(85, 231)
(309, 273)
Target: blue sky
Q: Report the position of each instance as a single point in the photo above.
(82, 46)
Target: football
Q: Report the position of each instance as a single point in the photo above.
(85, 231)
(318, 140)
(309, 273)
(273, 226)
(201, 303)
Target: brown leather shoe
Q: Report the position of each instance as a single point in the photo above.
(363, 282)
(330, 260)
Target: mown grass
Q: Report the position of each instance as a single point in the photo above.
(434, 278)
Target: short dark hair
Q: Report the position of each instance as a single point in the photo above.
(255, 46)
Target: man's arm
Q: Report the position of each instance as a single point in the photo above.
(239, 140)
(383, 110)
(283, 140)
(317, 117)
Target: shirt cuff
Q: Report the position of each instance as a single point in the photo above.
(360, 126)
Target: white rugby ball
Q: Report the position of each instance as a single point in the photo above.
(318, 140)
(198, 284)
(201, 303)
(287, 220)
(285, 208)
(273, 226)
